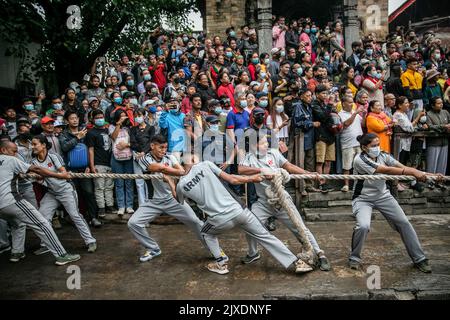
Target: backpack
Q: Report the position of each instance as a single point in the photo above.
(77, 158)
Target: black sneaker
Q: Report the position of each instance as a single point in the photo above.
(110, 210)
(423, 266)
(247, 259)
(419, 186)
(101, 212)
(325, 188)
(270, 224)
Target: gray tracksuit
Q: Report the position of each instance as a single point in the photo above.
(17, 211)
(369, 195)
(162, 202)
(62, 192)
(262, 209)
(224, 212)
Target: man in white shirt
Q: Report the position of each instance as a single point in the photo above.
(352, 121)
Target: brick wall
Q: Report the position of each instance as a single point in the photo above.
(222, 14)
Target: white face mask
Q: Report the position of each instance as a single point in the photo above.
(214, 127)
(279, 108)
(374, 152)
(423, 119)
(139, 120)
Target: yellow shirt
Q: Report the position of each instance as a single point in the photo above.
(412, 79)
(339, 106)
(352, 87)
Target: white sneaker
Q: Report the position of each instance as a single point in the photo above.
(302, 267)
(345, 188)
(149, 255)
(121, 211)
(217, 268)
(130, 210)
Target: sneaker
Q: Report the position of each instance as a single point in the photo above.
(423, 266)
(431, 185)
(442, 187)
(67, 258)
(217, 268)
(302, 267)
(101, 212)
(15, 257)
(4, 249)
(56, 224)
(149, 255)
(96, 223)
(224, 257)
(130, 210)
(345, 188)
(324, 264)
(120, 212)
(92, 247)
(41, 250)
(110, 209)
(270, 224)
(419, 186)
(354, 265)
(248, 259)
(325, 188)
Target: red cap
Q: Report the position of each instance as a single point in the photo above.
(46, 120)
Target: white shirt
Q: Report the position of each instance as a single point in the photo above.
(284, 132)
(349, 134)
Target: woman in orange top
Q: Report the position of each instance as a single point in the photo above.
(379, 123)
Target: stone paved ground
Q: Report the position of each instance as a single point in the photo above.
(114, 272)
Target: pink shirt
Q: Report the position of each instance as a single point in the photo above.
(305, 38)
(278, 37)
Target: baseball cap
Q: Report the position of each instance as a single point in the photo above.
(46, 120)
(92, 99)
(212, 119)
(258, 111)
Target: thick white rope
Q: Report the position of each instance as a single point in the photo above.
(292, 176)
(279, 198)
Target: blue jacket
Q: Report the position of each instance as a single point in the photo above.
(174, 123)
(303, 121)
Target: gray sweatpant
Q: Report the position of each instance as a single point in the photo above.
(253, 227)
(17, 230)
(264, 212)
(391, 210)
(104, 188)
(23, 212)
(437, 159)
(152, 209)
(69, 199)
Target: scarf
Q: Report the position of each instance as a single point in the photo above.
(374, 81)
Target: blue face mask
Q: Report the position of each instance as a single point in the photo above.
(130, 83)
(229, 54)
(173, 111)
(99, 122)
(326, 58)
(232, 34)
(57, 106)
(29, 107)
(218, 110)
(313, 30)
(214, 127)
(118, 100)
(185, 39)
(283, 53)
(263, 75)
(377, 75)
(243, 103)
(369, 52)
(263, 103)
(134, 101)
(299, 71)
(147, 77)
(255, 60)
(307, 31)
(266, 61)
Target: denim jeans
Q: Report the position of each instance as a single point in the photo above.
(123, 187)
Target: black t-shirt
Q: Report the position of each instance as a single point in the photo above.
(99, 139)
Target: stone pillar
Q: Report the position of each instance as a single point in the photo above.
(264, 25)
(351, 24)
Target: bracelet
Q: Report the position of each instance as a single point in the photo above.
(403, 172)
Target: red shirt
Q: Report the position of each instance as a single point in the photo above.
(158, 75)
(186, 105)
(227, 90)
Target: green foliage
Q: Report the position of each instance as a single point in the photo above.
(108, 27)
